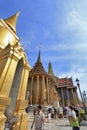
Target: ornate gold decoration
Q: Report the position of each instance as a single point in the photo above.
(14, 72)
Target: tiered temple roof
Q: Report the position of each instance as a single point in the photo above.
(38, 68)
(65, 82)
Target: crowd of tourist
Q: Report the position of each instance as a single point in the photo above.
(41, 115)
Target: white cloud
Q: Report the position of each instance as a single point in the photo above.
(77, 22)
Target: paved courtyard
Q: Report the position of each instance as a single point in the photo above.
(55, 124)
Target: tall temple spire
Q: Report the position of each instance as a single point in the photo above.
(50, 70)
(11, 21)
(39, 59)
(38, 67)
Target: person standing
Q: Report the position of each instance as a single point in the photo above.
(55, 112)
(60, 112)
(38, 119)
(49, 116)
(73, 119)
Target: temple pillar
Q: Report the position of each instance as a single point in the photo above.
(62, 97)
(78, 101)
(73, 97)
(47, 87)
(68, 102)
(43, 90)
(55, 99)
(31, 86)
(49, 95)
(52, 94)
(36, 90)
(49, 91)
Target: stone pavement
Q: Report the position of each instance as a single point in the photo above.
(55, 124)
(84, 123)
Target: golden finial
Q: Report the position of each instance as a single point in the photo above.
(11, 21)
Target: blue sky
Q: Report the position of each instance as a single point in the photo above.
(61, 28)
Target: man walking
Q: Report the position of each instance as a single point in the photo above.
(38, 119)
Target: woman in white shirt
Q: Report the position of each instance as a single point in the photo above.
(73, 119)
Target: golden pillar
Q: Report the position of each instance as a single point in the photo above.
(52, 93)
(76, 102)
(36, 90)
(31, 85)
(77, 99)
(49, 92)
(47, 87)
(42, 90)
(55, 94)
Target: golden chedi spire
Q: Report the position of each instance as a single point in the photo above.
(50, 70)
(8, 31)
(11, 21)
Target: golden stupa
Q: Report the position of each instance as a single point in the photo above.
(14, 72)
(8, 31)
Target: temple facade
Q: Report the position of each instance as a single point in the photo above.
(46, 87)
(41, 87)
(14, 71)
(67, 92)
